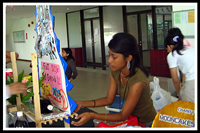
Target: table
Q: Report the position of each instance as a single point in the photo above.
(60, 123)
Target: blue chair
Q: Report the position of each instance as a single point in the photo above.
(117, 105)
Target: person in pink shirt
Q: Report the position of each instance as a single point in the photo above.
(185, 42)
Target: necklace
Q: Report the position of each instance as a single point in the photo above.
(120, 81)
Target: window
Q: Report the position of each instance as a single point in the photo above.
(164, 23)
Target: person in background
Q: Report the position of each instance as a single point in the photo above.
(182, 57)
(8, 57)
(185, 42)
(71, 71)
(172, 33)
(130, 79)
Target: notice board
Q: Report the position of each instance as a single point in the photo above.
(185, 20)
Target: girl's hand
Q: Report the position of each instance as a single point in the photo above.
(85, 117)
(78, 107)
(17, 87)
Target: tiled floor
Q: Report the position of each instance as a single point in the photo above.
(89, 84)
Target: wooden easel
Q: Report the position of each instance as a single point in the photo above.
(36, 117)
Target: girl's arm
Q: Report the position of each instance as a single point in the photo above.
(175, 79)
(108, 100)
(72, 65)
(131, 101)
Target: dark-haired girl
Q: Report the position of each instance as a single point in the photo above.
(183, 58)
(71, 71)
(129, 78)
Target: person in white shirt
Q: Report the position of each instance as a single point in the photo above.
(183, 57)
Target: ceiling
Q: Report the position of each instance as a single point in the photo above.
(27, 11)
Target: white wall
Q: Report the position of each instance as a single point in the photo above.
(112, 24)
(183, 7)
(187, 29)
(25, 49)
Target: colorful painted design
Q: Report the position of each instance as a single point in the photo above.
(46, 89)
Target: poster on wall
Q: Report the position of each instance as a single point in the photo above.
(185, 20)
(184, 17)
(55, 84)
(19, 36)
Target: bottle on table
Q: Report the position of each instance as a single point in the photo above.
(21, 121)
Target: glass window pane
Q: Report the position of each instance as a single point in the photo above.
(88, 41)
(168, 23)
(112, 24)
(150, 31)
(97, 42)
(132, 26)
(164, 23)
(160, 35)
(137, 8)
(91, 13)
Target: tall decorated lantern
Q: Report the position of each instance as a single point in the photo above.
(55, 84)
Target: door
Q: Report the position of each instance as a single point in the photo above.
(140, 26)
(92, 43)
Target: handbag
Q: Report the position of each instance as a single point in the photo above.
(131, 121)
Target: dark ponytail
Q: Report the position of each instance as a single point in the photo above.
(126, 45)
(69, 51)
(175, 37)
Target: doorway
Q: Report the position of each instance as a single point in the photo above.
(93, 42)
(139, 24)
